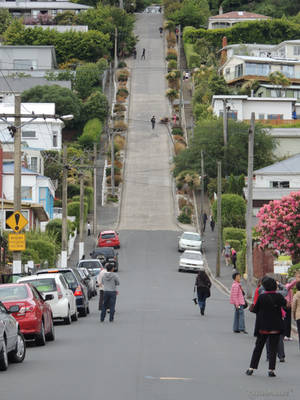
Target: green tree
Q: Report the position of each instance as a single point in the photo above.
(191, 13)
(281, 81)
(87, 77)
(95, 106)
(91, 133)
(5, 20)
(233, 210)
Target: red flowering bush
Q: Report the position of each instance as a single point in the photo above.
(279, 226)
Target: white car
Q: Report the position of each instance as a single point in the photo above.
(190, 241)
(63, 304)
(191, 260)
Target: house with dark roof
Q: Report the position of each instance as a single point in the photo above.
(275, 181)
(229, 19)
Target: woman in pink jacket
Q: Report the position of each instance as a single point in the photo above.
(238, 300)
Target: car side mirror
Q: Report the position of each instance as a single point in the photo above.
(13, 309)
(49, 297)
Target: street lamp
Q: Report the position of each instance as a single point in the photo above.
(67, 117)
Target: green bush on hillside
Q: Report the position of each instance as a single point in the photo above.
(91, 133)
(230, 233)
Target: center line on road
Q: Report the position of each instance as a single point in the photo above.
(168, 378)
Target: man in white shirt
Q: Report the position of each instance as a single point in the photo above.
(101, 291)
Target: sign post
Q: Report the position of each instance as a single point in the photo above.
(17, 240)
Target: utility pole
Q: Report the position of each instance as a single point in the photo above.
(219, 220)
(249, 259)
(95, 191)
(121, 4)
(116, 53)
(17, 263)
(64, 230)
(225, 122)
(81, 212)
(202, 194)
(181, 75)
(112, 170)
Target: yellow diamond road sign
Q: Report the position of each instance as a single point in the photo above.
(17, 221)
(16, 242)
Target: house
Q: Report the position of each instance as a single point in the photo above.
(31, 158)
(275, 181)
(33, 60)
(267, 90)
(33, 8)
(39, 133)
(61, 28)
(273, 110)
(11, 85)
(35, 188)
(229, 19)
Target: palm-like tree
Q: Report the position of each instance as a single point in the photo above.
(280, 80)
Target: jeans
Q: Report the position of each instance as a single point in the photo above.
(280, 348)
(202, 300)
(259, 345)
(101, 294)
(288, 322)
(109, 301)
(239, 319)
(298, 327)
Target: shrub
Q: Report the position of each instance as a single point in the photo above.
(233, 210)
(112, 199)
(170, 57)
(119, 142)
(292, 270)
(122, 64)
(172, 52)
(120, 126)
(119, 107)
(73, 190)
(123, 74)
(108, 171)
(177, 131)
(193, 59)
(235, 244)
(182, 202)
(178, 147)
(172, 94)
(241, 260)
(57, 203)
(173, 75)
(172, 64)
(234, 233)
(45, 249)
(89, 194)
(30, 254)
(171, 39)
(91, 133)
(74, 211)
(123, 92)
(120, 99)
(54, 229)
(184, 218)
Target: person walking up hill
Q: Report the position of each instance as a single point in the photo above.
(203, 285)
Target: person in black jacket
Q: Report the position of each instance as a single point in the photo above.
(268, 325)
(203, 285)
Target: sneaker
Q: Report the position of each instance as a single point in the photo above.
(271, 373)
(249, 371)
(281, 359)
(285, 338)
(236, 331)
(245, 332)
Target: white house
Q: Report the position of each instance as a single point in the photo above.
(229, 19)
(35, 188)
(39, 133)
(288, 141)
(275, 181)
(62, 28)
(31, 158)
(265, 108)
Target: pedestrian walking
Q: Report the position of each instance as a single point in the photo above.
(233, 257)
(143, 56)
(161, 31)
(238, 300)
(227, 253)
(212, 223)
(88, 228)
(110, 281)
(204, 219)
(296, 309)
(100, 285)
(153, 120)
(202, 285)
(177, 34)
(268, 325)
(289, 298)
(134, 53)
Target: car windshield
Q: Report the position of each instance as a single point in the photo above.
(191, 236)
(95, 271)
(88, 264)
(70, 278)
(8, 293)
(107, 235)
(43, 285)
(192, 256)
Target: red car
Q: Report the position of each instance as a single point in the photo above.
(34, 316)
(109, 239)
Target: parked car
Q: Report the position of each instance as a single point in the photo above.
(76, 284)
(106, 254)
(109, 239)
(12, 342)
(191, 260)
(63, 304)
(190, 241)
(93, 265)
(34, 315)
(89, 280)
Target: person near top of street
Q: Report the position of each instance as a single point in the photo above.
(202, 285)
(296, 309)
(153, 120)
(204, 219)
(161, 29)
(110, 281)
(88, 228)
(289, 298)
(143, 56)
(212, 223)
(227, 253)
(238, 300)
(134, 53)
(268, 325)
(100, 285)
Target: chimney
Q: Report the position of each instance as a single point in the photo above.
(220, 10)
(224, 51)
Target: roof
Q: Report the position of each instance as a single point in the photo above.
(245, 97)
(268, 59)
(38, 209)
(46, 5)
(8, 168)
(239, 15)
(289, 166)
(18, 85)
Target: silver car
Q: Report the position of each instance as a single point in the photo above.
(191, 260)
(190, 241)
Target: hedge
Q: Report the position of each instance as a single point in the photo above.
(241, 260)
(193, 59)
(74, 211)
(30, 254)
(234, 233)
(54, 228)
(73, 190)
(233, 210)
(45, 249)
(235, 244)
(91, 133)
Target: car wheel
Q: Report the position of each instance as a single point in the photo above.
(68, 319)
(51, 335)
(40, 339)
(179, 269)
(18, 354)
(3, 358)
(74, 317)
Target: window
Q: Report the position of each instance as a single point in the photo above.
(296, 50)
(34, 164)
(54, 139)
(227, 71)
(26, 193)
(261, 116)
(257, 69)
(297, 94)
(280, 184)
(287, 70)
(25, 64)
(230, 115)
(275, 116)
(28, 134)
(238, 70)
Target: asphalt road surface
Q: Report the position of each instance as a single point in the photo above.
(158, 348)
